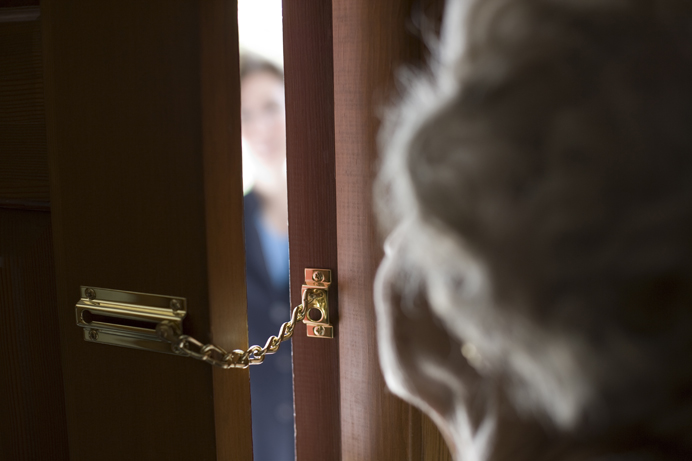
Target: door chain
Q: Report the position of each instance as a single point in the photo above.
(155, 322)
(214, 355)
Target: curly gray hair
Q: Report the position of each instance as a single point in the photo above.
(544, 165)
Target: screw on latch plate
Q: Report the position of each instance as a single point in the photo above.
(317, 283)
(90, 294)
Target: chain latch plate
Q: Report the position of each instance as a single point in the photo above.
(128, 319)
(316, 319)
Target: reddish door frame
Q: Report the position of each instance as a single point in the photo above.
(341, 56)
(312, 218)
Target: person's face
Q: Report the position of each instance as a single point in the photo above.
(264, 118)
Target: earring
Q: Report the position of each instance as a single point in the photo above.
(472, 355)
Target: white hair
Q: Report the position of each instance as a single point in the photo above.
(544, 163)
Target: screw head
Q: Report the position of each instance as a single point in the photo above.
(176, 305)
(317, 276)
(90, 293)
(94, 335)
(319, 330)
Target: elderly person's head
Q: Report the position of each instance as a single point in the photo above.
(536, 296)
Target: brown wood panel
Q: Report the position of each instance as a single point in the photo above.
(312, 217)
(23, 157)
(224, 210)
(18, 3)
(32, 406)
(433, 445)
(372, 40)
(29, 12)
(144, 167)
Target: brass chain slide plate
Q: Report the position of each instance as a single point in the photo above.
(154, 322)
(128, 319)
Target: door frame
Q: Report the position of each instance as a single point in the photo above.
(343, 408)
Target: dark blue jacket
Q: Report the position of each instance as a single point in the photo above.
(271, 383)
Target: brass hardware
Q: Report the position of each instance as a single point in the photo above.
(314, 297)
(187, 346)
(128, 319)
(316, 286)
(154, 322)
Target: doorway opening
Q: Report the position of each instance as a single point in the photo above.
(263, 124)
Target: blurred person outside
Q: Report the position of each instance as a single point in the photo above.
(263, 122)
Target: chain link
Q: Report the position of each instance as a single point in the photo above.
(187, 346)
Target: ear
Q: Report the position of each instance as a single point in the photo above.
(422, 363)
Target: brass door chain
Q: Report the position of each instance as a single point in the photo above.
(155, 322)
(217, 356)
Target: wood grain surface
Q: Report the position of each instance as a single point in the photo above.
(433, 446)
(223, 194)
(33, 425)
(20, 12)
(309, 84)
(146, 193)
(32, 404)
(19, 3)
(23, 157)
(372, 41)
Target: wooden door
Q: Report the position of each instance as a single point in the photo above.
(31, 391)
(143, 137)
(341, 61)
(144, 145)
